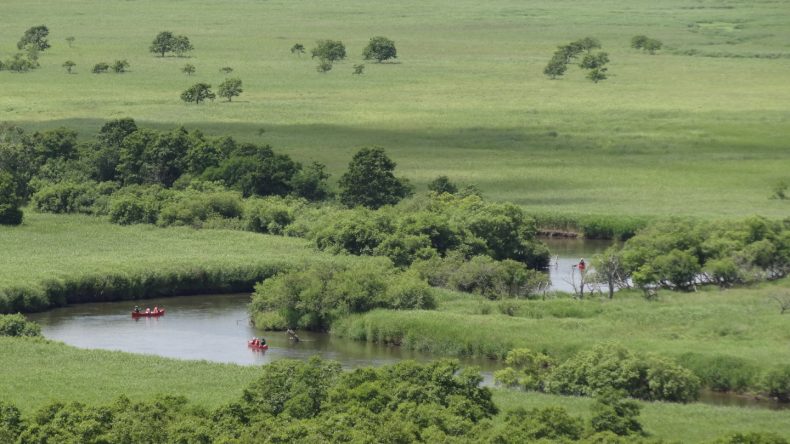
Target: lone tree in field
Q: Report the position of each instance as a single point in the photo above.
(370, 181)
(100, 67)
(162, 44)
(230, 88)
(188, 69)
(10, 214)
(165, 42)
(70, 40)
(556, 67)
(69, 65)
(181, 45)
(197, 93)
(226, 70)
(119, 67)
(329, 50)
(35, 37)
(297, 49)
(646, 44)
(442, 184)
(359, 69)
(380, 49)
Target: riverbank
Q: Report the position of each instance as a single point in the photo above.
(37, 371)
(53, 260)
(730, 338)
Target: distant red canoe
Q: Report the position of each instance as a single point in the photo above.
(257, 346)
(152, 314)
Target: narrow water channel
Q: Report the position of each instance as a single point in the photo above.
(216, 328)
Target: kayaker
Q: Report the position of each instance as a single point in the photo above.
(156, 309)
(137, 309)
(582, 266)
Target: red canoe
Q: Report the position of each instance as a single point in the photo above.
(151, 314)
(257, 346)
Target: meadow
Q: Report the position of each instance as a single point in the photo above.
(698, 129)
(51, 260)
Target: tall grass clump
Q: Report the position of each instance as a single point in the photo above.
(615, 227)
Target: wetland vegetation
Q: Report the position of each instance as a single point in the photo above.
(310, 189)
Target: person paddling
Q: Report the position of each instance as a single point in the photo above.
(582, 266)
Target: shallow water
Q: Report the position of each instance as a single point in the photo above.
(566, 254)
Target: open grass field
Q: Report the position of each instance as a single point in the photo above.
(83, 258)
(36, 372)
(733, 335)
(702, 134)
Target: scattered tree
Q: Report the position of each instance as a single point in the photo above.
(226, 70)
(597, 74)
(120, 66)
(359, 69)
(69, 65)
(198, 93)
(188, 69)
(163, 43)
(100, 67)
(230, 88)
(380, 48)
(35, 37)
(645, 43)
(70, 40)
(588, 44)
(370, 181)
(593, 61)
(181, 45)
(20, 63)
(324, 66)
(329, 50)
(297, 49)
(556, 67)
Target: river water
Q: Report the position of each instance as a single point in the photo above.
(216, 328)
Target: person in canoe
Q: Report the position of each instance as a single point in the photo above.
(147, 310)
(137, 309)
(156, 309)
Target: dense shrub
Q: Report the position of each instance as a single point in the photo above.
(10, 201)
(482, 275)
(193, 208)
(270, 215)
(313, 297)
(614, 413)
(137, 205)
(17, 325)
(611, 367)
(721, 373)
(777, 383)
(66, 197)
(682, 253)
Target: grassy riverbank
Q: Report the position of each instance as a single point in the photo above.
(665, 134)
(36, 372)
(729, 338)
(51, 260)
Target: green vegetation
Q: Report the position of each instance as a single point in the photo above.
(730, 340)
(52, 260)
(17, 325)
(370, 182)
(683, 129)
(380, 48)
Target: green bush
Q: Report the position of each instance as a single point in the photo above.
(270, 215)
(777, 383)
(66, 197)
(193, 208)
(17, 325)
(721, 373)
(612, 367)
(10, 201)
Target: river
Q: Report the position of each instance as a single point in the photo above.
(216, 328)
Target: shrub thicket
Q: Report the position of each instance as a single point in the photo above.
(17, 325)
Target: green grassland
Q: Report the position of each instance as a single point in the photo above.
(734, 334)
(36, 372)
(83, 258)
(703, 134)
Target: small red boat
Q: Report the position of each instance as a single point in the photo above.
(150, 314)
(257, 346)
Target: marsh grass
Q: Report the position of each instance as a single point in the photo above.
(666, 134)
(53, 260)
(728, 338)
